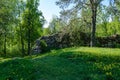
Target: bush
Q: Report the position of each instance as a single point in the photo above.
(109, 41)
(117, 45)
(43, 46)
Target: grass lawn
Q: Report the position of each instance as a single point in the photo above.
(77, 63)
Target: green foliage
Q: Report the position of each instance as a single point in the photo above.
(7, 19)
(43, 43)
(31, 25)
(77, 63)
(18, 17)
(111, 28)
(21, 23)
(55, 25)
(14, 51)
(43, 46)
(32, 20)
(73, 33)
(117, 45)
(46, 31)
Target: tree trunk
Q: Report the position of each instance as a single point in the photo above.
(22, 42)
(21, 38)
(93, 29)
(29, 42)
(5, 43)
(23, 50)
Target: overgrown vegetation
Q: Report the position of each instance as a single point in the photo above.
(77, 63)
(81, 23)
(21, 24)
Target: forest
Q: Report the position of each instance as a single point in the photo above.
(83, 43)
(83, 24)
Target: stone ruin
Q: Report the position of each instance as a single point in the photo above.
(53, 41)
(60, 40)
(109, 41)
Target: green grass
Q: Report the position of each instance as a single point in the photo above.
(80, 63)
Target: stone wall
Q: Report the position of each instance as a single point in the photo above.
(110, 41)
(54, 41)
(60, 40)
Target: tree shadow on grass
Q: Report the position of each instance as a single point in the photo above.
(16, 69)
(101, 66)
(62, 65)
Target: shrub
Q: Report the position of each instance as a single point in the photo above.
(117, 45)
(43, 46)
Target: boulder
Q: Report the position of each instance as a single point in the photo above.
(46, 43)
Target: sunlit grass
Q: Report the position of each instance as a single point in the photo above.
(76, 63)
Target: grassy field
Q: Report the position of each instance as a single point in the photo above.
(80, 63)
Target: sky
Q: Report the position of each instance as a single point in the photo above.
(49, 8)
